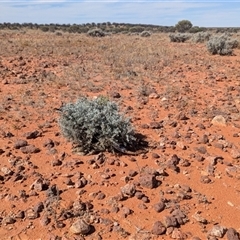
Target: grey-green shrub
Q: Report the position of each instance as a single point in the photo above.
(145, 34)
(179, 37)
(96, 32)
(201, 37)
(96, 125)
(221, 45)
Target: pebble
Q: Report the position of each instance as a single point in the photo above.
(80, 227)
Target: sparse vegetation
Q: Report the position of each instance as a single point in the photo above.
(183, 26)
(179, 37)
(96, 125)
(221, 45)
(145, 34)
(97, 32)
(201, 37)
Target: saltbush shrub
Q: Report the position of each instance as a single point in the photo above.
(221, 45)
(179, 37)
(201, 37)
(96, 32)
(96, 125)
(145, 34)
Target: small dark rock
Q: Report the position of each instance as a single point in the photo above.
(148, 181)
(32, 135)
(128, 190)
(159, 207)
(232, 234)
(20, 143)
(158, 228)
(29, 149)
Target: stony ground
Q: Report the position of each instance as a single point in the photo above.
(185, 102)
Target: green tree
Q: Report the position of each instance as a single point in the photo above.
(183, 26)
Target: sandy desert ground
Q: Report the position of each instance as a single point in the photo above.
(186, 103)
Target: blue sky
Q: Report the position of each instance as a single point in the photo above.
(166, 13)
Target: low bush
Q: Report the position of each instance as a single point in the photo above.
(221, 45)
(145, 34)
(179, 37)
(201, 37)
(96, 125)
(96, 32)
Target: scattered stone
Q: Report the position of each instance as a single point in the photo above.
(205, 179)
(9, 220)
(20, 143)
(7, 171)
(139, 195)
(128, 190)
(39, 185)
(45, 220)
(201, 149)
(29, 149)
(39, 207)
(31, 214)
(217, 231)
(178, 234)
(158, 228)
(32, 135)
(219, 120)
(20, 214)
(80, 227)
(232, 234)
(159, 207)
(101, 196)
(235, 153)
(126, 211)
(199, 218)
(169, 221)
(155, 125)
(155, 155)
(148, 181)
(132, 173)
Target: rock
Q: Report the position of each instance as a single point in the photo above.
(7, 171)
(155, 125)
(219, 120)
(126, 211)
(20, 143)
(101, 196)
(158, 228)
(45, 220)
(181, 145)
(39, 185)
(232, 234)
(9, 220)
(148, 181)
(181, 116)
(32, 135)
(159, 207)
(31, 214)
(139, 195)
(155, 155)
(180, 216)
(128, 190)
(29, 149)
(80, 227)
(169, 221)
(178, 234)
(39, 207)
(217, 231)
(115, 95)
(199, 218)
(235, 153)
(132, 173)
(201, 149)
